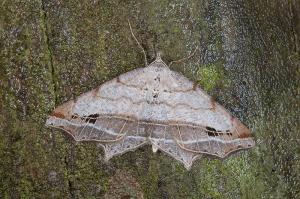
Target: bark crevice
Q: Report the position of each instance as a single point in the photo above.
(48, 48)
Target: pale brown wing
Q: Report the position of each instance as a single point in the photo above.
(187, 142)
(153, 105)
(135, 136)
(92, 128)
(208, 140)
(162, 138)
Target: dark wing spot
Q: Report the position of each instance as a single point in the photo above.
(212, 134)
(228, 133)
(211, 131)
(157, 79)
(92, 118)
(75, 116)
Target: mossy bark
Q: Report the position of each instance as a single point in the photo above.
(248, 59)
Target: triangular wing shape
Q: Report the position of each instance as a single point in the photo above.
(153, 105)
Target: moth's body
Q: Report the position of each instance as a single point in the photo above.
(153, 105)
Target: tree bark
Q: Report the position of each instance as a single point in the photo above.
(52, 51)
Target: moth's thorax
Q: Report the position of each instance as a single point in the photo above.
(158, 60)
(156, 74)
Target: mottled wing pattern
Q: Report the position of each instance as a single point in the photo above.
(153, 105)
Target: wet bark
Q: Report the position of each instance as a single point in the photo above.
(248, 59)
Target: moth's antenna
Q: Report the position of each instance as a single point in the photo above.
(185, 58)
(137, 41)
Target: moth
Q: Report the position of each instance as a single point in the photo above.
(153, 105)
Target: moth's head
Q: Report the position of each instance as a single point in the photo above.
(158, 62)
(63, 111)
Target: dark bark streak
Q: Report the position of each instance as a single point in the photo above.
(69, 164)
(294, 19)
(70, 167)
(47, 40)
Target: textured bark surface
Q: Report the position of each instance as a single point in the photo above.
(248, 59)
